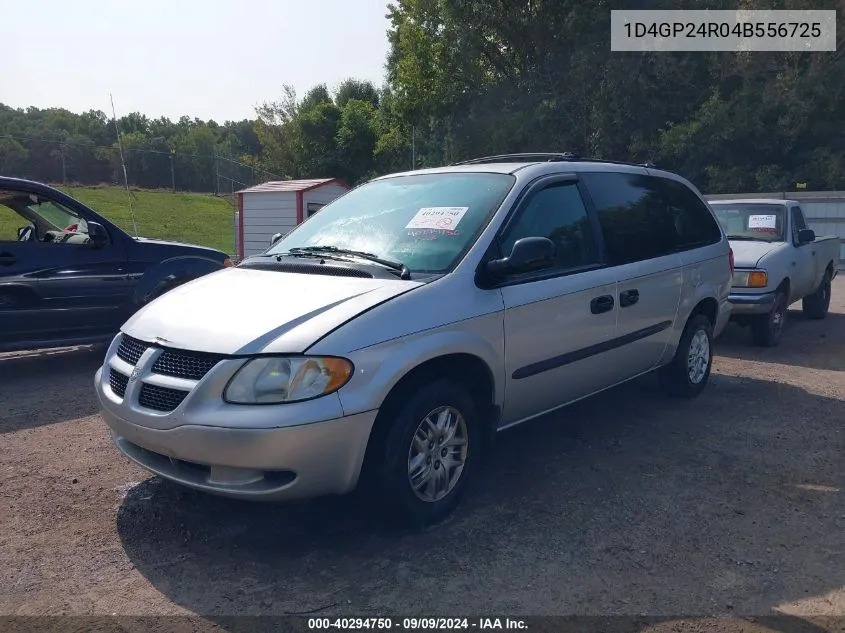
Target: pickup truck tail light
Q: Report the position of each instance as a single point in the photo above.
(731, 259)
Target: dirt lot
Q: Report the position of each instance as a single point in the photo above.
(623, 504)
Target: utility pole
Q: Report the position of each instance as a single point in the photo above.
(216, 176)
(173, 170)
(235, 211)
(64, 171)
(413, 147)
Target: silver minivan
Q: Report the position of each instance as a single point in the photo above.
(381, 344)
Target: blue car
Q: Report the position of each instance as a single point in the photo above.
(68, 276)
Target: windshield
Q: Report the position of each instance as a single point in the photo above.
(750, 221)
(425, 221)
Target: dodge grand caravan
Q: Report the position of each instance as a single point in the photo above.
(382, 343)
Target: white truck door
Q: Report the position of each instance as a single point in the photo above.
(803, 265)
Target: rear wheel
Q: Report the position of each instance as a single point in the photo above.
(687, 374)
(816, 305)
(430, 453)
(767, 329)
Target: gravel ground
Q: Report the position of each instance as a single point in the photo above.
(627, 503)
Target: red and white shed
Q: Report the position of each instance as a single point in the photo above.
(277, 207)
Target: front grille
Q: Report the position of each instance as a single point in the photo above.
(131, 349)
(160, 398)
(118, 382)
(185, 364)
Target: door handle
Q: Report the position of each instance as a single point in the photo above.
(628, 298)
(601, 304)
(6, 259)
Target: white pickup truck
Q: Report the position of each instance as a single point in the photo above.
(778, 261)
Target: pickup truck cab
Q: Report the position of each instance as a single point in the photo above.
(68, 276)
(385, 340)
(778, 261)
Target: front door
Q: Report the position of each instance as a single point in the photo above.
(556, 321)
(55, 283)
(803, 264)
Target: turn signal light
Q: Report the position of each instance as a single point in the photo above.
(757, 279)
(227, 263)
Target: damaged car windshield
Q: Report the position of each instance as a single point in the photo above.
(426, 221)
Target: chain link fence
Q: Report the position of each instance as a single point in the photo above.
(68, 162)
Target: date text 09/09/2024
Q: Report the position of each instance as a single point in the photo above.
(724, 29)
(416, 624)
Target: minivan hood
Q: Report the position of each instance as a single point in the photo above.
(748, 254)
(247, 311)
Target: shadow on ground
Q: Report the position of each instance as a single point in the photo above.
(815, 344)
(622, 504)
(30, 384)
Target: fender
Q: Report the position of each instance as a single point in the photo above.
(171, 273)
(379, 368)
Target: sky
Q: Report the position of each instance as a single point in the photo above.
(202, 58)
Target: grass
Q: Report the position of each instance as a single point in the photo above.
(195, 218)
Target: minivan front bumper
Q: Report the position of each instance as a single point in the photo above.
(272, 452)
(280, 464)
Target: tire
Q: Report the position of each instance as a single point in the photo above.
(393, 485)
(165, 288)
(767, 329)
(816, 305)
(688, 373)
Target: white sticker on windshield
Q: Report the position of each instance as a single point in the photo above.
(446, 218)
(762, 222)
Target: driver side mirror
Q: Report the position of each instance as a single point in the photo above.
(805, 236)
(276, 238)
(528, 254)
(97, 234)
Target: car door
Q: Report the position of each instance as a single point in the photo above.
(556, 321)
(640, 238)
(802, 268)
(58, 284)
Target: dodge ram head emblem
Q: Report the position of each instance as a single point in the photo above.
(134, 375)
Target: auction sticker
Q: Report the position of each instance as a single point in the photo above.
(762, 222)
(446, 218)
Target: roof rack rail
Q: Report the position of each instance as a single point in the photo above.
(542, 157)
(536, 157)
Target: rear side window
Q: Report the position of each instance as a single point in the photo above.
(632, 215)
(643, 217)
(694, 223)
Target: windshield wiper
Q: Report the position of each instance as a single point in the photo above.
(404, 272)
(747, 238)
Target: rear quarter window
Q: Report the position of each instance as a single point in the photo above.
(644, 217)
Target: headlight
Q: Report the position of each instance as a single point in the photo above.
(274, 380)
(750, 279)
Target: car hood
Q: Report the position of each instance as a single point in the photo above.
(181, 245)
(242, 311)
(748, 254)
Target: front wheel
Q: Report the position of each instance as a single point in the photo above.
(816, 305)
(687, 374)
(430, 453)
(767, 329)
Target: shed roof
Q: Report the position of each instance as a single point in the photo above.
(294, 185)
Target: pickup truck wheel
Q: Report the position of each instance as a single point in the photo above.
(816, 305)
(687, 374)
(767, 329)
(430, 454)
